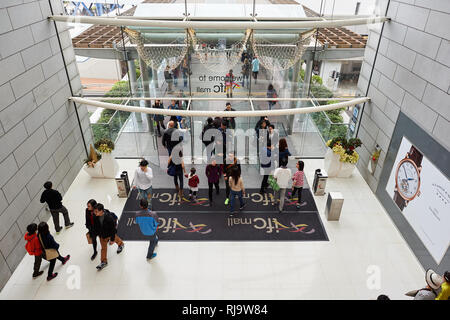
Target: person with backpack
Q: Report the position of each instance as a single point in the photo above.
(106, 228)
(142, 181)
(271, 93)
(50, 249)
(213, 172)
(159, 118)
(171, 137)
(246, 72)
(90, 225)
(193, 182)
(148, 224)
(34, 248)
(229, 79)
(176, 170)
(54, 201)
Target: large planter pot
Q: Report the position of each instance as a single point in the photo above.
(96, 171)
(110, 166)
(346, 170)
(336, 168)
(332, 163)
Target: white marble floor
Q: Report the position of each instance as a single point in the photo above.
(366, 256)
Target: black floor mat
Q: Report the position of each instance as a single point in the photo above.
(167, 200)
(259, 221)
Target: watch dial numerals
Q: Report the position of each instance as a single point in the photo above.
(408, 179)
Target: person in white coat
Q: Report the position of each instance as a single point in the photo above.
(283, 176)
(143, 181)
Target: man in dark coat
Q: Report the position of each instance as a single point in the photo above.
(105, 227)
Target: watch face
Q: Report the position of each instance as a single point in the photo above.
(407, 179)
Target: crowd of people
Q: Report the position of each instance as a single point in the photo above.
(277, 151)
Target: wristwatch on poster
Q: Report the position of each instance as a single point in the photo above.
(407, 178)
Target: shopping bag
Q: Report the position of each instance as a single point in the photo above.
(273, 183)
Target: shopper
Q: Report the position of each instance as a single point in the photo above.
(185, 71)
(273, 136)
(175, 73)
(229, 165)
(271, 93)
(297, 183)
(229, 79)
(159, 118)
(54, 201)
(262, 124)
(177, 170)
(213, 173)
(90, 225)
(34, 248)
(265, 169)
(430, 291)
(105, 227)
(148, 223)
(255, 68)
(168, 78)
(445, 287)
(49, 245)
(193, 182)
(283, 151)
(245, 72)
(210, 138)
(171, 137)
(142, 181)
(237, 189)
(282, 175)
(230, 120)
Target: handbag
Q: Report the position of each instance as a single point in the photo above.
(171, 170)
(89, 239)
(50, 254)
(273, 183)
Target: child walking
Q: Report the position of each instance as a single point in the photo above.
(193, 182)
(297, 185)
(34, 248)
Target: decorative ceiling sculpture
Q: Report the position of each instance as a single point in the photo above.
(280, 56)
(155, 54)
(223, 56)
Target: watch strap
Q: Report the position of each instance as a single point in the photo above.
(401, 203)
(415, 155)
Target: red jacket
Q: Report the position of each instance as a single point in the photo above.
(193, 181)
(33, 245)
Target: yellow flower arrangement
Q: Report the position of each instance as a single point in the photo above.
(104, 148)
(345, 155)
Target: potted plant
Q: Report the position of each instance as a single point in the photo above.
(110, 165)
(92, 165)
(341, 156)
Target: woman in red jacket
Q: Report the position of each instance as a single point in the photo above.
(34, 248)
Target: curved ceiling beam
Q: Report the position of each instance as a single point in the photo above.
(241, 25)
(212, 113)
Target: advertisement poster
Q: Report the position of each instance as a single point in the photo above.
(422, 193)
